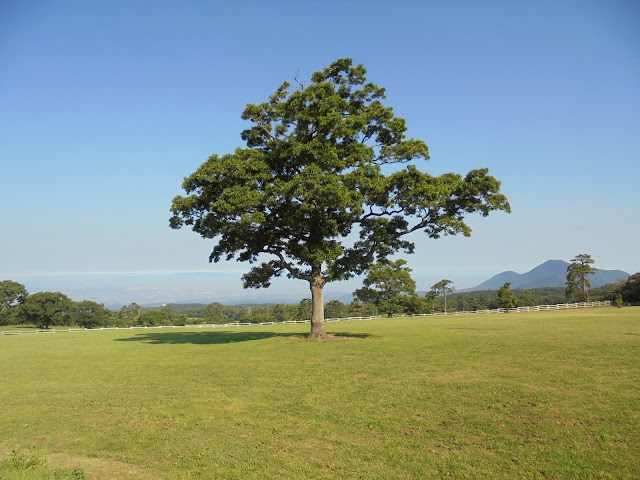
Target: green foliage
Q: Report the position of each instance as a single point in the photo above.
(214, 313)
(358, 308)
(12, 295)
(577, 272)
(526, 299)
(160, 316)
(619, 301)
(443, 287)
(305, 309)
(630, 291)
(129, 315)
(488, 299)
(506, 298)
(430, 297)
(283, 312)
(191, 310)
(336, 309)
(217, 313)
(44, 309)
(415, 304)
(386, 285)
(312, 175)
(89, 314)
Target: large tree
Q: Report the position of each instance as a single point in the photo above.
(323, 162)
(386, 285)
(577, 272)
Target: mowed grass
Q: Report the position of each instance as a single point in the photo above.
(528, 395)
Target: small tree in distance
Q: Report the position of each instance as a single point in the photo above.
(577, 272)
(506, 298)
(386, 285)
(431, 296)
(442, 288)
(90, 314)
(214, 313)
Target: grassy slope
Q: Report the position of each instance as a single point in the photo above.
(530, 395)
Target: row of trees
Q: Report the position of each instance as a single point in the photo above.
(218, 313)
(53, 308)
(390, 287)
(46, 309)
(387, 289)
(578, 284)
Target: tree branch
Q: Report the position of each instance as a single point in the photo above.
(298, 81)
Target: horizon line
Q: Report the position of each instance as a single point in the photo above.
(136, 272)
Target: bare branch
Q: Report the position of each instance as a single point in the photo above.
(298, 81)
(379, 214)
(283, 263)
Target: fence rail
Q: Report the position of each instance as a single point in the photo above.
(536, 308)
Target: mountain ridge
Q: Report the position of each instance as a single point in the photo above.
(551, 273)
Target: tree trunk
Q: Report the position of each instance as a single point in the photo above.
(585, 290)
(445, 303)
(317, 314)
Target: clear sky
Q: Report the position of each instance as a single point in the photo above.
(105, 106)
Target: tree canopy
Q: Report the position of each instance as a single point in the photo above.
(442, 287)
(577, 272)
(506, 298)
(315, 171)
(44, 309)
(386, 285)
(630, 290)
(89, 314)
(12, 295)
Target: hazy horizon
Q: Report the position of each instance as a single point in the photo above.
(115, 289)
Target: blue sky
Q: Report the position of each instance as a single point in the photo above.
(105, 106)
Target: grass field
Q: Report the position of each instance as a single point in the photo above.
(532, 395)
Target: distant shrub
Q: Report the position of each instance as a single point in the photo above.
(161, 316)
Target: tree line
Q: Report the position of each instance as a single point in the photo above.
(387, 290)
(47, 309)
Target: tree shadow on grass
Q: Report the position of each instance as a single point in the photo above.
(347, 335)
(205, 338)
(219, 338)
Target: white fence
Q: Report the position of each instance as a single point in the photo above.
(537, 308)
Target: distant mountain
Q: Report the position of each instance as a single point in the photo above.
(551, 273)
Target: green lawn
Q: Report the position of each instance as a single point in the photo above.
(523, 395)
